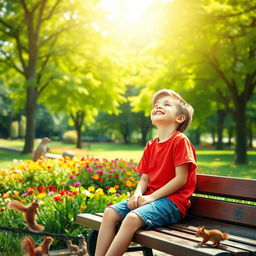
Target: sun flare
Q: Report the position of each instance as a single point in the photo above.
(130, 11)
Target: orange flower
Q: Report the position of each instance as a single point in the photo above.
(83, 208)
(128, 183)
(95, 177)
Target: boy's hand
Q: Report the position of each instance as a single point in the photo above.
(145, 200)
(133, 202)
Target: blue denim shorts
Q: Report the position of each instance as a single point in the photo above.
(159, 213)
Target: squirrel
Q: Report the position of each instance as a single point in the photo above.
(41, 149)
(214, 235)
(72, 247)
(82, 247)
(30, 211)
(28, 246)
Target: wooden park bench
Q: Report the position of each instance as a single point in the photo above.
(224, 203)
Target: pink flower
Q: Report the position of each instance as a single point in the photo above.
(77, 184)
(24, 194)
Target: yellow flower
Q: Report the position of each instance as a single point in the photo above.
(41, 196)
(112, 190)
(15, 176)
(91, 189)
(91, 195)
(69, 197)
(99, 191)
(6, 195)
(16, 194)
(4, 173)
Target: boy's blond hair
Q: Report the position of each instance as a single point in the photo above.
(183, 107)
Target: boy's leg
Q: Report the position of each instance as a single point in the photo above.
(129, 226)
(107, 231)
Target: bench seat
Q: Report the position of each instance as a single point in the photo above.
(216, 204)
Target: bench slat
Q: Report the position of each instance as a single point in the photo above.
(173, 245)
(227, 186)
(89, 220)
(234, 247)
(241, 234)
(225, 211)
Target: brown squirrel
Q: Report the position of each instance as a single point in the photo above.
(30, 211)
(82, 247)
(214, 235)
(72, 247)
(28, 246)
(41, 149)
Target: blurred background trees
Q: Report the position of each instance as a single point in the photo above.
(92, 66)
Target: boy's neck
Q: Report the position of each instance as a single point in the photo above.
(165, 133)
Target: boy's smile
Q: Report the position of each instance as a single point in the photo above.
(164, 111)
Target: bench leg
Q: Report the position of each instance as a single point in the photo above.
(91, 242)
(147, 251)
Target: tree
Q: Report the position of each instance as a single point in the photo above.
(30, 33)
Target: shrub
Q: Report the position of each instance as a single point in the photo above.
(70, 137)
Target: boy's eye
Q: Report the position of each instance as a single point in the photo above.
(168, 104)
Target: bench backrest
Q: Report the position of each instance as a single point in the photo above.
(225, 199)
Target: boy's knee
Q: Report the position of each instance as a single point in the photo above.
(132, 220)
(111, 214)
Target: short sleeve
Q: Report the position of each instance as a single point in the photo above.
(144, 161)
(185, 153)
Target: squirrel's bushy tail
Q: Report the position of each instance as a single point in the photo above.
(225, 236)
(35, 227)
(27, 245)
(16, 205)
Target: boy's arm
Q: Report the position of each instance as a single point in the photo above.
(180, 179)
(140, 190)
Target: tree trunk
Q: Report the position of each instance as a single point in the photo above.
(144, 128)
(250, 133)
(79, 136)
(78, 119)
(220, 121)
(213, 137)
(241, 134)
(30, 120)
(197, 137)
(230, 133)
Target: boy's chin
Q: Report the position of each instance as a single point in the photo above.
(159, 122)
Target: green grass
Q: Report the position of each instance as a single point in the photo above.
(216, 162)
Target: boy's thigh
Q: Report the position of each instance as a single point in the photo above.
(159, 213)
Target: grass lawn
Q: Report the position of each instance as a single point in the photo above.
(216, 162)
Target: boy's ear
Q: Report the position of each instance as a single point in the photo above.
(180, 119)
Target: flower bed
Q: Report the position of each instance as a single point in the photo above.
(63, 188)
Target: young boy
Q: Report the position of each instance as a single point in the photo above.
(167, 181)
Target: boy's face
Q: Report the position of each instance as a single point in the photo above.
(164, 111)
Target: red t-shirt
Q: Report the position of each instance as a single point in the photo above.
(159, 161)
